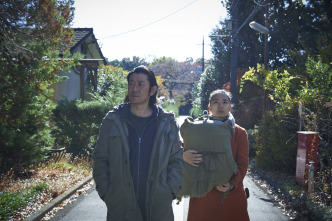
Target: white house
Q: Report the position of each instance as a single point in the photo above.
(81, 78)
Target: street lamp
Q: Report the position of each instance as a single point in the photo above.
(258, 27)
(264, 30)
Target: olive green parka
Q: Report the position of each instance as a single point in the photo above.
(111, 170)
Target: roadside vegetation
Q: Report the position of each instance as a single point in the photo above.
(22, 194)
(291, 198)
(297, 82)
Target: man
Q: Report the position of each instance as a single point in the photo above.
(138, 161)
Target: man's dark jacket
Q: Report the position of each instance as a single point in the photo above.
(113, 172)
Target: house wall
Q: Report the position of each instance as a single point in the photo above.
(70, 88)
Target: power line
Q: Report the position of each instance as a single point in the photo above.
(151, 23)
(235, 5)
(258, 3)
(254, 11)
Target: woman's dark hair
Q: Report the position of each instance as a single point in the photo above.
(151, 78)
(220, 91)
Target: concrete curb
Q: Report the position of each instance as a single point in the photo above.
(48, 207)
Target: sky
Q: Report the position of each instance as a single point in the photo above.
(151, 28)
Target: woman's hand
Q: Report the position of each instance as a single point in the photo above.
(192, 157)
(224, 187)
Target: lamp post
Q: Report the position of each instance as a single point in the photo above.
(234, 50)
(264, 30)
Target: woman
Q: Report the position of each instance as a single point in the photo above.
(211, 206)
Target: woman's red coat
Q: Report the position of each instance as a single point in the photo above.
(234, 206)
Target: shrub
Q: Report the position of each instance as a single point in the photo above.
(196, 111)
(77, 124)
(276, 143)
(171, 106)
(29, 139)
(252, 133)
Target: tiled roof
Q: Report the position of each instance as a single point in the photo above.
(81, 33)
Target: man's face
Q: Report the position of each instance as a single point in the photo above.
(139, 89)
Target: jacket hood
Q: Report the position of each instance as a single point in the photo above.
(123, 110)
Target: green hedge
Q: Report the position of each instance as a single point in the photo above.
(77, 124)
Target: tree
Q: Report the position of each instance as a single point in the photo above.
(178, 80)
(314, 92)
(250, 51)
(112, 83)
(128, 64)
(297, 29)
(170, 71)
(31, 34)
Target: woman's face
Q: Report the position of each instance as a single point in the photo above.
(220, 106)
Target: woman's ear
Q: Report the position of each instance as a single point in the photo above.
(209, 107)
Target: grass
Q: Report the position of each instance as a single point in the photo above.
(24, 193)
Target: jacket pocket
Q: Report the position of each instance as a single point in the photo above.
(162, 204)
(115, 146)
(115, 202)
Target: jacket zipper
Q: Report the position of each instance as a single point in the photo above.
(138, 162)
(160, 130)
(139, 152)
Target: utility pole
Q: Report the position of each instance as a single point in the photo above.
(234, 49)
(265, 51)
(203, 56)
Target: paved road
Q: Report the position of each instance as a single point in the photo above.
(261, 206)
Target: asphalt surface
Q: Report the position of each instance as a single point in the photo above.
(261, 205)
(86, 207)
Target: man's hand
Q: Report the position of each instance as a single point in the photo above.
(192, 157)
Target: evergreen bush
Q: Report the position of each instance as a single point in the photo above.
(77, 124)
(276, 143)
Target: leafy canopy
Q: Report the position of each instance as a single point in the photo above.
(31, 34)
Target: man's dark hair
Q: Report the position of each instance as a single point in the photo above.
(151, 78)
